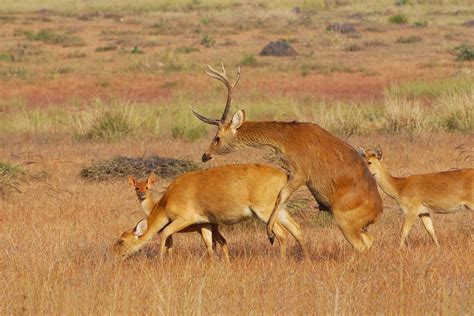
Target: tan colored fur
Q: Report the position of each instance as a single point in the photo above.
(330, 168)
(147, 202)
(227, 194)
(421, 194)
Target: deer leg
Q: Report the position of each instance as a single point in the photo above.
(282, 237)
(206, 234)
(174, 227)
(426, 219)
(410, 218)
(353, 235)
(216, 235)
(291, 186)
(169, 245)
(289, 223)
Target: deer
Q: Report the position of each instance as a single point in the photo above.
(147, 202)
(222, 195)
(329, 167)
(420, 195)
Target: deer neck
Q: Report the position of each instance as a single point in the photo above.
(147, 204)
(389, 184)
(260, 134)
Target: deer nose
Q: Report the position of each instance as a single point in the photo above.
(206, 157)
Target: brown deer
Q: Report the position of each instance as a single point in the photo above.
(421, 194)
(332, 170)
(227, 194)
(209, 232)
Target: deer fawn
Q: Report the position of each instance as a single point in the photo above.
(145, 197)
(331, 169)
(419, 195)
(228, 194)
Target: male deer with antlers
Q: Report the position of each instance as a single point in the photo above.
(421, 194)
(332, 170)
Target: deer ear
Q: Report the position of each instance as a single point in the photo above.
(237, 120)
(132, 181)
(378, 153)
(141, 228)
(362, 152)
(151, 179)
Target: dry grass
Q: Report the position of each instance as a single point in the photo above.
(56, 237)
(85, 81)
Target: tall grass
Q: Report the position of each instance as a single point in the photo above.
(451, 111)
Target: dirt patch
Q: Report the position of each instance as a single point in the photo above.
(121, 166)
(278, 48)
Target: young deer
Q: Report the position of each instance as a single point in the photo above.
(227, 194)
(147, 202)
(419, 195)
(331, 169)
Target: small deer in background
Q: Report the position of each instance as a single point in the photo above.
(227, 194)
(421, 194)
(209, 232)
(330, 168)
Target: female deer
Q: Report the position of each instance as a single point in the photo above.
(419, 195)
(226, 194)
(209, 232)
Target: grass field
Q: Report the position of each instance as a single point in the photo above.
(92, 80)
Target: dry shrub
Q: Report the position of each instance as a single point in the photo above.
(120, 166)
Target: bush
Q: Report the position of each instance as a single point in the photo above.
(249, 60)
(464, 52)
(110, 126)
(207, 41)
(398, 19)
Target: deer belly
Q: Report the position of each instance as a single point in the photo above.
(230, 216)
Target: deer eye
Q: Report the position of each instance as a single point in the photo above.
(369, 163)
(217, 139)
(146, 188)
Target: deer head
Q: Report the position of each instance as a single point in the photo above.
(225, 139)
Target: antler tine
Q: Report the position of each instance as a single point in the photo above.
(221, 76)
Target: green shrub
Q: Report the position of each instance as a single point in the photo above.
(207, 41)
(465, 52)
(249, 60)
(420, 24)
(110, 126)
(398, 19)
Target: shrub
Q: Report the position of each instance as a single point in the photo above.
(110, 126)
(420, 24)
(249, 60)
(398, 19)
(207, 41)
(352, 48)
(464, 52)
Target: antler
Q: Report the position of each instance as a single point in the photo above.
(221, 76)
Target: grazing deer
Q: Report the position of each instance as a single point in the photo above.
(209, 232)
(331, 169)
(419, 195)
(228, 194)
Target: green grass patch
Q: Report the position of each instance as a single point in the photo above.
(398, 19)
(432, 88)
(49, 37)
(464, 52)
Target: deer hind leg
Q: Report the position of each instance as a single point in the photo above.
(410, 219)
(289, 223)
(428, 223)
(174, 227)
(206, 234)
(353, 235)
(294, 182)
(217, 236)
(367, 238)
(282, 237)
(169, 245)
